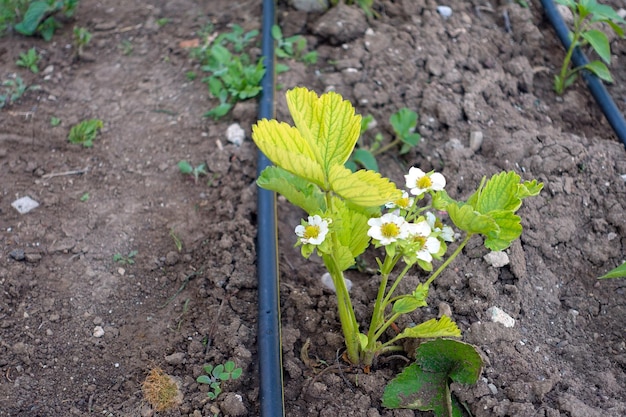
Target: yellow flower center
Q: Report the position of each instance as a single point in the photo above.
(311, 231)
(424, 182)
(389, 230)
(420, 240)
(403, 202)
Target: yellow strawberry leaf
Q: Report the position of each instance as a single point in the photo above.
(444, 327)
(285, 147)
(362, 188)
(328, 123)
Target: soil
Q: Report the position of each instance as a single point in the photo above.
(79, 332)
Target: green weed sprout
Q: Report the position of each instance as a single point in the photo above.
(29, 60)
(215, 375)
(587, 13)
(187, 169)
(125, 260)
(292, 47)
(345, 216)
(85, 132)
(403, 122)
(81, 38)
(619, 272)
(39, 17)
(233, 75)
(12, 90)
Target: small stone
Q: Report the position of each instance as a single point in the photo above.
(235, 134)
(315, 6)
(492, 388)
(175, 358)
(444, 310)
(497, 259)
(475, 140)
(233, 405)
(54, 317)
(121, 271)
(497, 315)
(98, 331)
(24, 205)
(172, 258)
(17, 254)
(48, 70)
(327, 281)
(98, 321)
(32, 257)
(444, 11)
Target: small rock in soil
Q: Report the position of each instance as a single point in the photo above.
(235, 134)
(497, 259)
(444, 11)
(24, 205)
(475, 140)
(17, 254)
(175, 358)
(98, 331)
(308, 6)
(327, 281)
(497, 315)
(233, 405)
(171, 258)
(341, 24)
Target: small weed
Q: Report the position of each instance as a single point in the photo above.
(84, 198)
(191, 75)
(162, 21)
(29, 60)
(81, 38)
(125, 260)
(403, 122)
(85, 132)
(182, 315)
(586, 13)
(160, 390)
(186, 168)
(619, 272)
(292, 47)
(177, 242)
(127, 47)
(12, 90)
(54, 121)
(233, 75)
(218, 374)
(39, 17)
(366, 5)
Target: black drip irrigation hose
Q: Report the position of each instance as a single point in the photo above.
(599, 92)
(268, 340)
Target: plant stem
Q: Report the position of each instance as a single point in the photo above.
(388, 146)
(449, 260)
(349, 325)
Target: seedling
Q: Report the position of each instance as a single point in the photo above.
(29, 60)
(218, 374)
(12, 90)
(39, 17)
(425, 384)
(125, 260)
(187, 169)
(365, 5)
(85, 132)
(84, 198)
(233, 75)
(177, 242)
(345, 216)
(162, 21)
(127, 47)
(587, 13)
(81, 38)
(293, 47)
(160, 390)
(403, 122)
(54, 121)
(619, 272)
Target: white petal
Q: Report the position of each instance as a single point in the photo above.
(438, 180)
(424, 255)
(432, 245)
(300, 230)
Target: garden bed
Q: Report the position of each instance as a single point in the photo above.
(484, 72)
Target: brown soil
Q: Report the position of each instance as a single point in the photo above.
(179, 310)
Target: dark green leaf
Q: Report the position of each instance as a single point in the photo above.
(365, 158)
(33, 16)
(600, 70)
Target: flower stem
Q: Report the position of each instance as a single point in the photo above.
(449, 260)
(349, 325)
